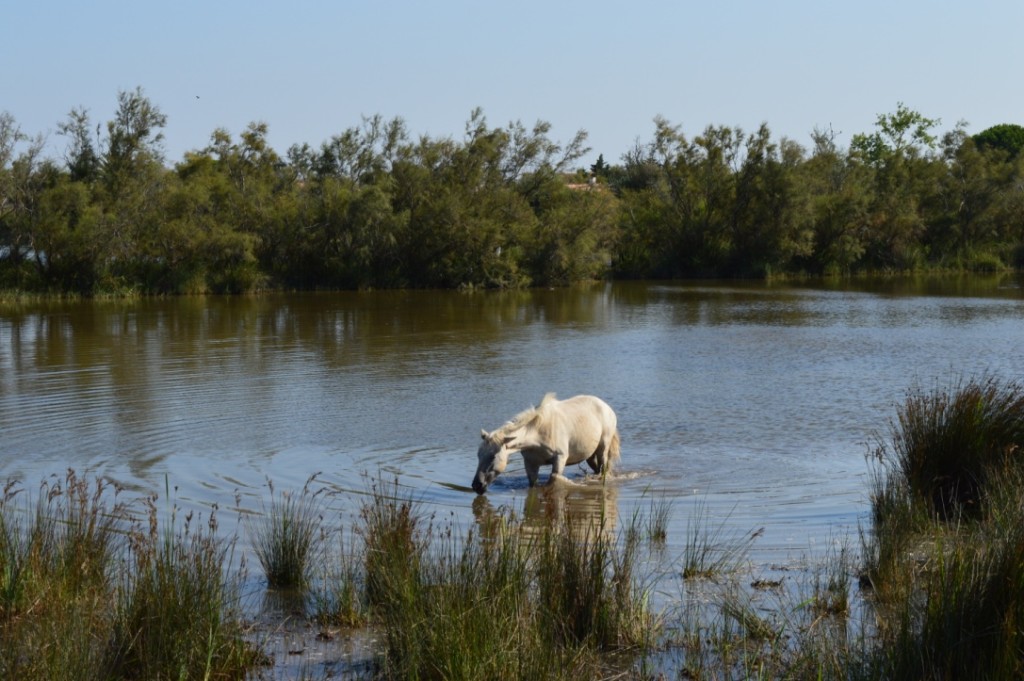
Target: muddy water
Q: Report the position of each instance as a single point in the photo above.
(757, 400)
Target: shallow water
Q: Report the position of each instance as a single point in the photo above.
(760, 401)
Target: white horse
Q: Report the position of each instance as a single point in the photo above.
(555, 433)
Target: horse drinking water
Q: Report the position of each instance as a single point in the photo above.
(555, 433)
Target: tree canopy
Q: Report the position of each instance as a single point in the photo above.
(1006, 136)
(501, 206)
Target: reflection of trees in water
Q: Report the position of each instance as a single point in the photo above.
(587, 507)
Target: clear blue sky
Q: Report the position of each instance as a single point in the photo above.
(311, 69)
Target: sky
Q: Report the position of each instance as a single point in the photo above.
(312, 69)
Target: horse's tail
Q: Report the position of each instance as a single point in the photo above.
(614, 451)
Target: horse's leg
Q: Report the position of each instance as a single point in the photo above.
(558, 463)
(604, 456)
(532, 470)
(599, 459)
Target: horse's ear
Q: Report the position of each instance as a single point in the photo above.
(483, 433)
(508, 438)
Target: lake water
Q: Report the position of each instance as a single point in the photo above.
(759, 401)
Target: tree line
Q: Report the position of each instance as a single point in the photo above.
(373, 207)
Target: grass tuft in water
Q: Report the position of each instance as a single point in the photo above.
(286, 534)
(711, 550)
(503, 600)
(91, 588)
(395, 543)
(56, 557)
(587, 585)
(948, 444)
(176, 607)
(657, 518)
(946, 552)
(337, 592)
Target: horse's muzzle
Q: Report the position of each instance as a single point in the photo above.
(481, 481)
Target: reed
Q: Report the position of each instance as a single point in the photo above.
(286, 535)
(712, 549)
(832, 582)
(176, 611)
(588, 588)
(395, 542)
(656, 519)
(56, 557)
(336, 593)
(946, 444)
(502, 600)
(92, 589)
(946, 552)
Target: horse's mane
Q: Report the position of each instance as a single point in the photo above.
(528, 416)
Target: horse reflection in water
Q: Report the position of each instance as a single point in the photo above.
(588, 508)
(556, 433)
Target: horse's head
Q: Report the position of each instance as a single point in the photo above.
(492, 457)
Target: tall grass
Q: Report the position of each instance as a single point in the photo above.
(656, 519)
(947, 444)
(711, 548)
(286, 535)
(56, 555)
(502, 601)
(589, 592)
(176, 614)
(337, 590)
(90, 588)
(946, 554)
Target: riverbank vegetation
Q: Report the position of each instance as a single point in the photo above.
(96, 586)
(499, 207)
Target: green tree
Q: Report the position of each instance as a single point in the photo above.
(574, 235)
(900, 134)
(905, 180)
(839, 192)
(1006, 137)
(245, 181)
(24, 176)
(980, 225)
(81, 157)
(134, 139)
(68, 251)
(130, 188)
(767, 230)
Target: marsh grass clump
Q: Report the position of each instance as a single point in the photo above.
(505, 599)
(176, 614)
(395, 541)
(90, 588)
(473, 618)
(832, 582)
(56, 558)
(588, 587)
(948, 444)
(710, 549)
(657, 518)
(286, 535)
(945, 556)
(337, 591)
(964, 616)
